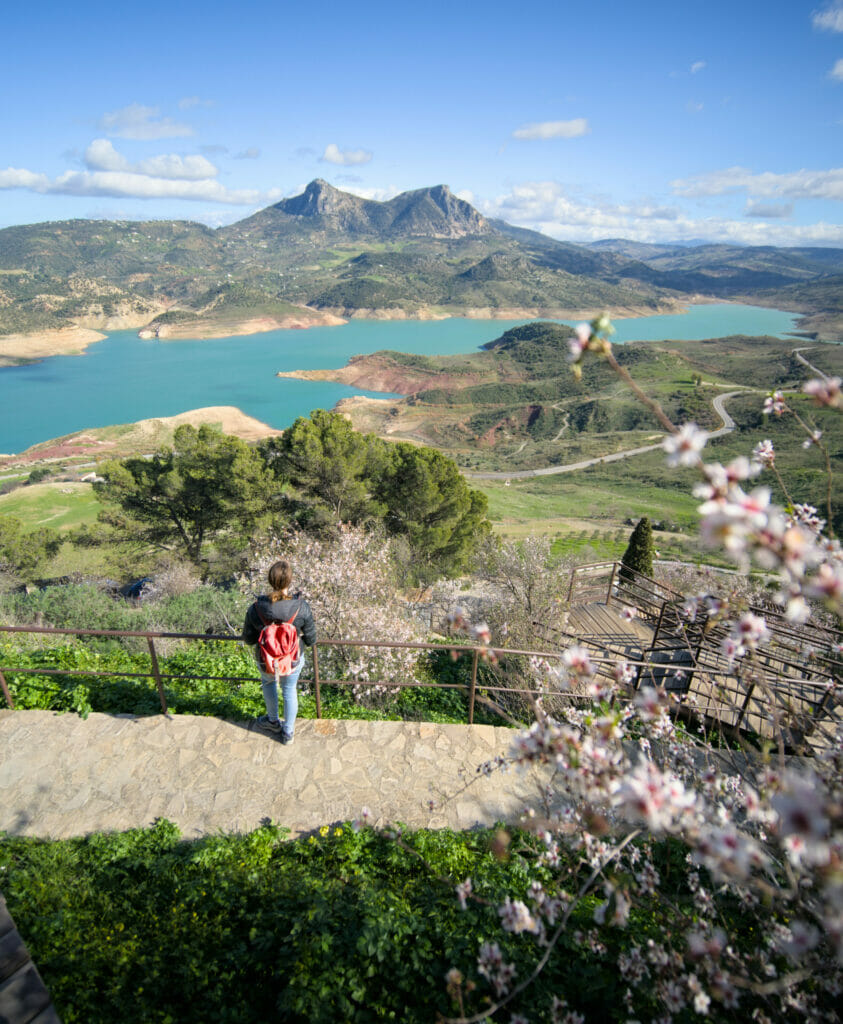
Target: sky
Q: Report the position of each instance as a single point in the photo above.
(659, 121)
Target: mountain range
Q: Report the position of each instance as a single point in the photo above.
(326, 253)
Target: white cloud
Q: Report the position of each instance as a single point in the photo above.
(698, 65)
(553, 129)
(769, 210)
(830, 20)
(801, 184)
(693, 107)
(139, 122)
(545, 206)
(130, 184)
(252, 153)
(381, 195)
(102, 156)
(345, 157)
(837, 71)
(17, 177)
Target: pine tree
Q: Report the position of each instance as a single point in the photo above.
(638, 556)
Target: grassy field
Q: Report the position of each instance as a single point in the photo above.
(60, 506)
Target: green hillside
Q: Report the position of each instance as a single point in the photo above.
(425, 251)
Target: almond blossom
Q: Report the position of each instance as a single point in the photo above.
(825, 391)
(764, 453)
(683, 448)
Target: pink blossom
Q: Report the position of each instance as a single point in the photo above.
(658, 798)
(827, 583)
(775, 403)
(481, 632)
(683, 448)
(515, 917)
(825, 391)
(578, 344)
(765, 453)
(751, 630)
(577, 661)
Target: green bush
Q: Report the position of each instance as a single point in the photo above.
(346, 925)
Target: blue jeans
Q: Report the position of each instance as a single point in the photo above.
(288, 693)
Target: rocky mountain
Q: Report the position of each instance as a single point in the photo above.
(423, 253)
(424, 213)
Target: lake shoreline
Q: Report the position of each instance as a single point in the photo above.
(124, 380)
(19, 349)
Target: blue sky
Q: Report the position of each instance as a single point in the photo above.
(657, 121)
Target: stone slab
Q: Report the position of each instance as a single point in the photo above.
(62, 776)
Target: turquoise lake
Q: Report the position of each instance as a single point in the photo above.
(123, 378)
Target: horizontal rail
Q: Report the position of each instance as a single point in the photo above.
(496, 654)
(811, 687)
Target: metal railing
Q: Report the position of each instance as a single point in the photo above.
(795, 676)
(477, 653)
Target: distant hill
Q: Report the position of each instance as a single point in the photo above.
(727, 269)
(328, 253)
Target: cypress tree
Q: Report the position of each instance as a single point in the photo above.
(639, 552)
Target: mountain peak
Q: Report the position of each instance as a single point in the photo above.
(317, 199)
(427, 212)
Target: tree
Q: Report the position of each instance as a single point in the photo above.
(416, 492)
(429, 502)
(638, 556)
(208, 487)
(330, 463)
(22, 551)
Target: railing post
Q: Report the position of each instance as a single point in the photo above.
(657, 630)
(744, 706)
(6, 693)
(611, 584)
(473, 689)
(316, 687)
(817, 714)
(156, 671)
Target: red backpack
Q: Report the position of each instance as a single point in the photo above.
(278, 644)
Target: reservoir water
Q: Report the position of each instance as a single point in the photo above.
(124, 378)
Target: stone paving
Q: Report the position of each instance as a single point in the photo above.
(63, 776)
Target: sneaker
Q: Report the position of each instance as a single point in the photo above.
(286, 737)
(265, 724)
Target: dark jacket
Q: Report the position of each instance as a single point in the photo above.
(280, 611)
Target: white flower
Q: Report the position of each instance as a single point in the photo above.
(751, 630)
(515, 917)
(577, 661)
(464, 890)
(683, 448)
(774, 402)
(765, 453)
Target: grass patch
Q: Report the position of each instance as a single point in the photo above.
(60, 506)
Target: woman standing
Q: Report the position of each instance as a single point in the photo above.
(280, 606)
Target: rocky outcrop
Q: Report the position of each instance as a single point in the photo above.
(426, 212)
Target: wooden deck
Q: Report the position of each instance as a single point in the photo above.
(780, 697)
(602, 626)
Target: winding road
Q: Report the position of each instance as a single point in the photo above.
(571, 467)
